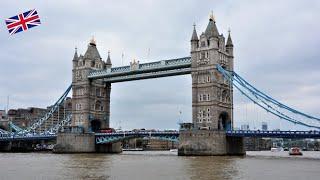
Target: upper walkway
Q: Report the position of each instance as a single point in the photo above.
(136, 71)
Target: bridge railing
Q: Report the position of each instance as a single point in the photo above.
(102, 138)
(138, 132)
(283, 134)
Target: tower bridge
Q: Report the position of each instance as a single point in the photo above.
(211, 65)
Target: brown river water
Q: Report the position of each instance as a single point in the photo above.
(158, 165)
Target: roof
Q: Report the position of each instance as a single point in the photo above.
(212, 30)
(92, 52)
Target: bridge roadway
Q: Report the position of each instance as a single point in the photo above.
(102, 138)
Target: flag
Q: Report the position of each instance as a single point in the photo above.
(23, 21)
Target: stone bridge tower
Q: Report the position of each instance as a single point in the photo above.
(212, 96)
(90, 106)
(90, 99)
(211, 93)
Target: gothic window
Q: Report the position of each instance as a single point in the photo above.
(219, 94)
(204, 97)
(202, 55)
(80, 91)
(208, 78)
(224, 95)
(78, 75)
(78, 106)
(98, 106)
(92, 91)
(98, 92)
(208, 97)
(200, 97)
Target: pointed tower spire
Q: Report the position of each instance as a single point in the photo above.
(92, 51)
(212, 30)
(93, 41)
(194, 34)
(229, 41)
(75, 57)
(108, 63)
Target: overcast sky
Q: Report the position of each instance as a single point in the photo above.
(276, 48)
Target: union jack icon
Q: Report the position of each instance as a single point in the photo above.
(23, 21)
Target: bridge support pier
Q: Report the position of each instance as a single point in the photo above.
(208, 143)
(109, 148)
(72, 142)
(5, 146)
(75, 143)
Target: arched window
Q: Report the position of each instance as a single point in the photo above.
(224, 95)
(98, 106)
(98, 92)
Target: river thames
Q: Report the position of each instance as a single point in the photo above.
(158, 165)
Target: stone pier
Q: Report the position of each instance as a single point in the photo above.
(73, 142)
(208, 143)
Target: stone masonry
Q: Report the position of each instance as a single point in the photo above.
(212, 96)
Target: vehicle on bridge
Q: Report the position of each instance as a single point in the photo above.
(107, 130)
(295, 151)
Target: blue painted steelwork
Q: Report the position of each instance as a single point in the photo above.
(272, 100)
(4, 133)
(29, 137)
(137, 71)
(102, 138)
(15, 127)
(274, 134)
(40, 121)
(65, 122)
(264, 101)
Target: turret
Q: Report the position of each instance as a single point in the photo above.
(194, 39)
(108, 63)
(75, 58)
(92, 54)
(212, 30)
(229, 45)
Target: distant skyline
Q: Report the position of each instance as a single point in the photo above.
(275, 45)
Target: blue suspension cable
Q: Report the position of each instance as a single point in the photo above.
(263, 95)
(230, 78)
